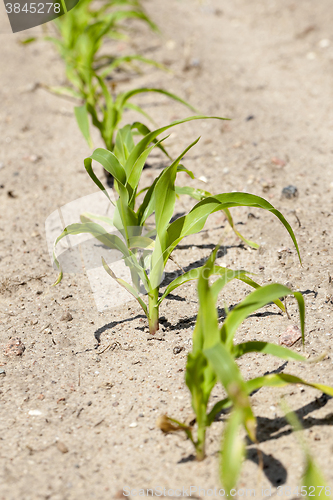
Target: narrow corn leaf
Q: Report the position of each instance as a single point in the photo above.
(230, 376)
(82, 119)
(312, 477)
(92, 175)
(194, 274)
(110, 240)
(254, 301)
(273, 380)
(138, 109)
(252, 283)
(313, 480)
(125, 285)
(110, 163)
(65, 91)
(165, 193)
(181, 168)
(200, 379)
(282, 379)
(148, 138)
(135, 173)
(144, 130)
(267, 348)
(89, 217)
(195, 193)
(232, 451)
(231, 222)
(122, 98)
(128, 59)
(124, 144)
(195, 220)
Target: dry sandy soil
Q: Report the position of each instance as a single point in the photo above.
(78, 421)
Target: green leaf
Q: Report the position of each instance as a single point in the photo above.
(231, 222)
(126, 285)
(312, 477)
(195, 220)
(266, 348)
(230, 376)
(144, 130)
(194, 274)
(91, 173)
(81, 115)
(254, 301)
(195, 193)
(148, 138)
(122, 98)
(232, 451)
(110, 163)
(200, 379)
(89, 217)
(28, 40)
(282, 379)
(272, 380)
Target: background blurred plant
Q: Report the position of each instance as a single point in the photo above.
(213, 359)
(313, 483)
(79, 38)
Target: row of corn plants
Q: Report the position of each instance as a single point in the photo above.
(145, 235)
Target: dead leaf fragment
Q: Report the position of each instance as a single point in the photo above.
(167, 425)
(290, 336)
(62, 447)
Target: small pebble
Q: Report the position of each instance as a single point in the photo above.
(35, 413)
(15, 347)
(62, 447)
(324, 43)
(133, 424)
(2, 372)
(177, 349)
(290, 192)
(66, 316)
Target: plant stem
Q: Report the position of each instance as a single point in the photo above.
(200, 444)
(153, 311)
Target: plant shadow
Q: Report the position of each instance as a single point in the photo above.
(269, 429)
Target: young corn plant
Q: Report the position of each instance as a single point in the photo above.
(80, 35)
(213, 359)
(147, 255)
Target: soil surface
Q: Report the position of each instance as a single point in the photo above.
(78, 420)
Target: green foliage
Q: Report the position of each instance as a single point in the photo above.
(80, 35)
(313, 483)
(79, 38)
(147, 255)
(213, 359)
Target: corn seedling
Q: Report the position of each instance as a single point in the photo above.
(80, 35)
(147, 255)
(213, 359)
